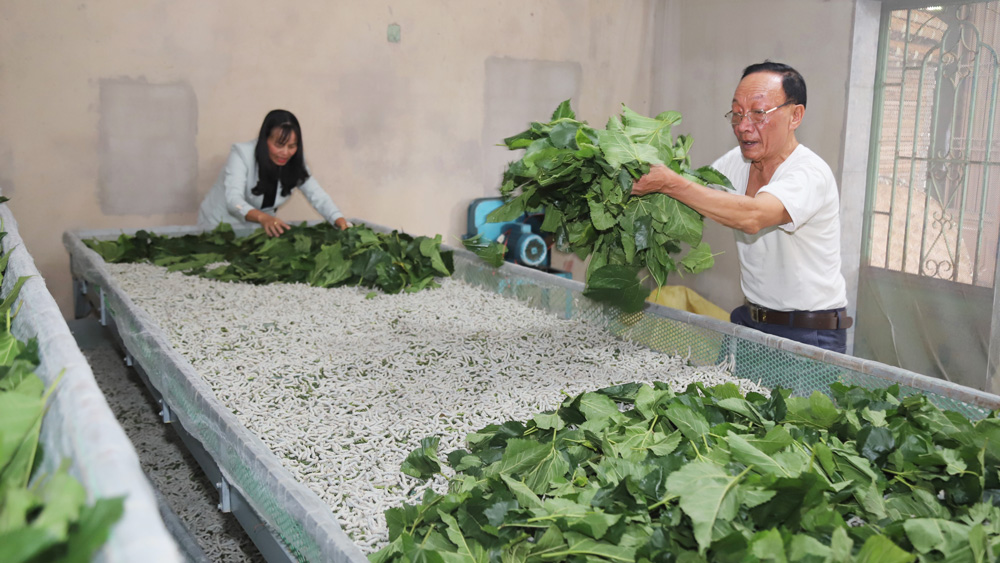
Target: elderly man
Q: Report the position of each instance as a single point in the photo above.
(785, 213)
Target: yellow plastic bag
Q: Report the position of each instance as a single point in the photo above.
(686, 299)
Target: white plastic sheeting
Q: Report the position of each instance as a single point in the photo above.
(79, 425)
(296, 514)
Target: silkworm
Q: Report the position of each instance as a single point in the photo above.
(342, 388)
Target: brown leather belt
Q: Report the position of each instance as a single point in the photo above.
(813, 320)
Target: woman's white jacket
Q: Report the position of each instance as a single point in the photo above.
(230, 199)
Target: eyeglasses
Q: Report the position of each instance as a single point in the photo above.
(756, 116)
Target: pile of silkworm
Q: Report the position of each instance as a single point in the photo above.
(342, 385)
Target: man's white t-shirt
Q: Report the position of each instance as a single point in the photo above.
(795, 266)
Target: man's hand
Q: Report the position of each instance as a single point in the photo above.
(659, 179)
(342, 224)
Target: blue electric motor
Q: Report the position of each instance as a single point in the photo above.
(525, 247)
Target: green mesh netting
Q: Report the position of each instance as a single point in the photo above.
(770, 361)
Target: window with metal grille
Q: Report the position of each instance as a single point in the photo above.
(926, 286)
(934, 210)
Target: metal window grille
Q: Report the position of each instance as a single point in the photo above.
(934, 193)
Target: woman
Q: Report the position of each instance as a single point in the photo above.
(260, 175)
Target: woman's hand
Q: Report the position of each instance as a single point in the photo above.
(273, 226)
(342, 224)
(659, 179)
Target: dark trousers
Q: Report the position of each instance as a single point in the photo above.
(834, 339)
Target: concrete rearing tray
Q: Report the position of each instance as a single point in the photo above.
(298, 525)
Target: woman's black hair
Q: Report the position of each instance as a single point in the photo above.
(293, 173)
(791, 81)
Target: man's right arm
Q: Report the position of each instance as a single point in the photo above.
(747, 214)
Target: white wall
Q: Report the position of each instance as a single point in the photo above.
(394, 131)
(400, 134)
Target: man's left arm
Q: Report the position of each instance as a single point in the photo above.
(745, 213)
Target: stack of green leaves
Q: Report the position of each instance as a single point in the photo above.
(48, 520)
(639, 473)
(320, 255)
(582, 177)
